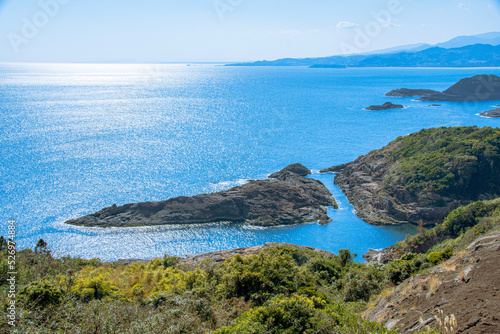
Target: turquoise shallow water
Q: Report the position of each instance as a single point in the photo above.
(76, 138)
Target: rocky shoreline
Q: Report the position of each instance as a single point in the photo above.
(286, 197)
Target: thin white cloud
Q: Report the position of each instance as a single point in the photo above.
(389, 23)
(347, 25)
(462, 5)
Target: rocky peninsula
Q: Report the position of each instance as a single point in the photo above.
(423, 176)
(286, 197)
(495, 113)
(477, 88)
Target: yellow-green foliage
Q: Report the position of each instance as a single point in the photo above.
(282, 284)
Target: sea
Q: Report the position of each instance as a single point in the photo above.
(75, 138)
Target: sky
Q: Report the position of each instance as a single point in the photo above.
(228, 30)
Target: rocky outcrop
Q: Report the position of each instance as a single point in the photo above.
(495, 113)
(385, 106)
(287, 198)
(414, 179)
(298, 169)
(467, 286)
(362, 181)
(477, 88)
(407, 92)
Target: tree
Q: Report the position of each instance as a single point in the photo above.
(41, 247)
(345, 257)
(3, 243)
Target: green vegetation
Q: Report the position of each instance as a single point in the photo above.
(461, 227)
(282, 289)
(460, 162)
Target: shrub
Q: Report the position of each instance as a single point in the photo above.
(400, 269)
(360, 284)
(94, 288)
(170, 261)
(326, 268)
(42, 294)
(436, 257)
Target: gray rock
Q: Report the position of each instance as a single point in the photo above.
(289, 199)
(495, 113)
(385, 106)
(406, 92)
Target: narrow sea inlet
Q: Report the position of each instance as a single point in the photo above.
(76, 138)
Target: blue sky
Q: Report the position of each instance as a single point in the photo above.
(228, 30)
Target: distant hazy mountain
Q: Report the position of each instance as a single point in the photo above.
(405, 48)
(463, 51)
(492, 38)
(478, 55)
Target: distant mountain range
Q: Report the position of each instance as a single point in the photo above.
(464, 51)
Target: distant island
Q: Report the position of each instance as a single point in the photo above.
(385, 106)
(286, 197)
(422, 177)
(477, 88)
(477, 55)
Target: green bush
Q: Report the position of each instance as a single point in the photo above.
(170, 261)
(294, 314)
(326, 268)
(361, 283)
(42, 294)
(94, 288)
(257, 277)
(400, 269)
(436, 257)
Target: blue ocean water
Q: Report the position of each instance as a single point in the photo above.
(79, 137)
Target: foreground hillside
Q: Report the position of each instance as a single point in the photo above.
(465, 288)
(423, 176)
(276, 288)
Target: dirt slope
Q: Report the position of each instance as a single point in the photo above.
(466, 286)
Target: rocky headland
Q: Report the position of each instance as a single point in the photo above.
(495, 113)
(477, 88)
(286, 197)
(385, 106)
(422, 177)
